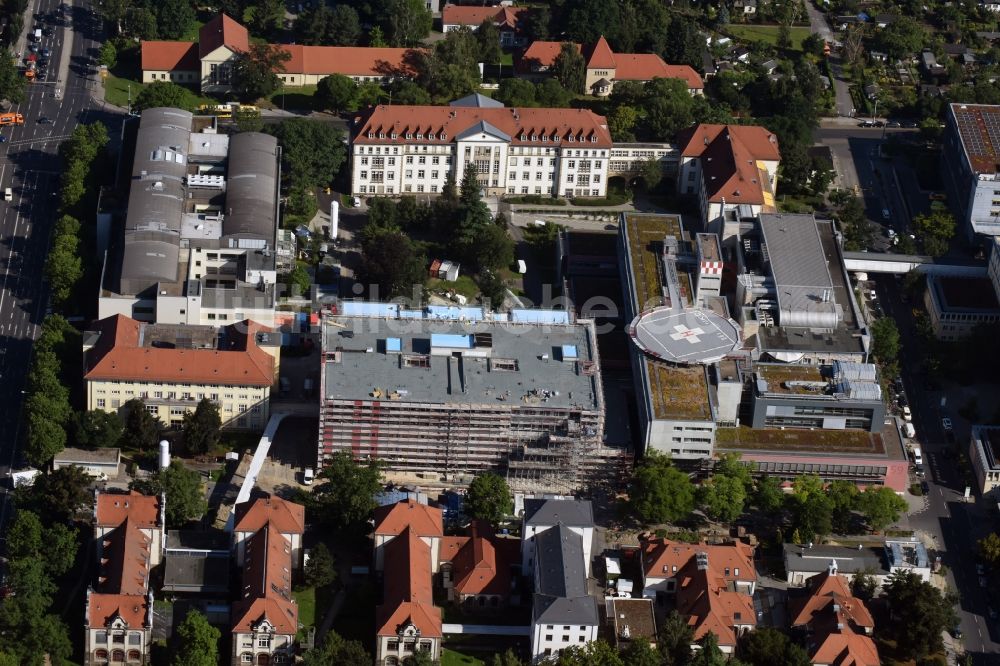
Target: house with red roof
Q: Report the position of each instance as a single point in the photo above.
(837, 626)
(604, 67)
(712, 585)
(733, 169)
(171, 368)
(267, 539)
(454, 17)
(476, 569)
(128, 537)
(207, 63)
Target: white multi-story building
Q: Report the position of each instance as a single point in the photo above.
(972, 171)
(411, 149)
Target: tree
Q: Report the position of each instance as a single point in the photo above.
(63, 266)
(403, 91)
(391, 264)
(98, 429)
(551, 94)
(569, 68)
(452, 68)
(768, 495)
(254, 71)
(641, 653)
(345, 498)
(163, 94)
(844, 499)
(338, 93)
(12, 81)
(196, 642)
(589, 20)
(409, 22)
(885, 340)
(201, 427)
(920, 613)
(45, 436)
(319, 571)
(140, 23)
(669, 107)
(494, 249)
(783, 40)
(184, 491)
(142, 429)
(989, 548)
(58, 495)
(266, 17)
(376, 38)
(881, 506)
(337, 650)
(312, 151)
(516, 93)
(723, 498)
(508, 658)
(901, 38)
(709, 654)
(345, 26)
(812, 508)
(864, 584)
(660, 492)
(489, 499)
(686, 44)
(675, 636)
(299, 281)
(766, 646)
(534, 24)
(420, 658)
(935, 230)
(108, 55)
(595, 653)
(488, 37)
(173, 17)
(492, 288)
(54, 545)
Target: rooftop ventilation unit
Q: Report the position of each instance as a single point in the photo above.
(212, 182)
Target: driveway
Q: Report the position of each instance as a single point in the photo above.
(819, 25)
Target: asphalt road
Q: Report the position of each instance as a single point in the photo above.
(953, 524)
(30, 166)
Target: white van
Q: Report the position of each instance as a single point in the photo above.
(918, 458)
(308, 476)
(907, 413)
(8, 194)
(909, 430)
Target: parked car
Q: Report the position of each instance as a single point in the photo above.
(925, 487)
(956, 631)
(893, 123)
(886, 214)
(992, 612)
(980, 569)
(907, 413)
(946, 424)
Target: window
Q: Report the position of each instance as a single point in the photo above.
(152, 409)
(364, 160)
(569, 178)
(246, 658)
(548, 637)
(525, 176)
(434, 174)
(435, 160)
(571, 164)
(364, 175)
(420, 173)
(409, 158)
(100, 403)
(263, 641)
(421, 159)
(512, 175)
(513, 161)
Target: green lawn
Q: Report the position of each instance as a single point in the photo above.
(767, 33)
(306, 599)
(116, 91)
(294, 98)
(452, 658)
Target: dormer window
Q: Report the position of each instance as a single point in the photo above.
(420, 135)
(443, 136)
(593, 139)
(555, 137)
(736, 572)
(534, 137)
(409, 135)
(545, 137)
(393, 136)
(572, 138)
(371, 135)
(524, 137)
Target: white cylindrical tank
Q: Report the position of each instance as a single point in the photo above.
(334, 218)
(164, 454)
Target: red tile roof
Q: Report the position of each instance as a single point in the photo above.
(444, 123)
(222, 31)
(124, 565)
(266, 591)
(729, 155)
(421, 519)
(706, 594)
(505, 17)
(102, 608)
(350, 60)
(480, 562)
(408, 596)
(170, 56)
(113, 509)
(600, 55)
(838, 623)
(648, 66)
(541, 55)
(287, 517)
(117, 355)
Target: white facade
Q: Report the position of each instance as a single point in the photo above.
(984, 464)
(263, 645)
(549, 640)
(119, 643)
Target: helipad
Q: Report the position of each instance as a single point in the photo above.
(684, 336)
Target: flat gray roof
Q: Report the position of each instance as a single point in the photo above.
(196, 574)
(849, 560)
(441, 361)
(252, 186)
(70, 456)
(575, 513)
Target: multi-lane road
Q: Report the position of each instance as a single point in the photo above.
(29, 165)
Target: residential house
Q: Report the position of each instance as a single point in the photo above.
(805, 561)
(872, 91)
(207, 63)
(287, 517)
(542, 514)
(420, 519)
(745, 7)
(407, 621)
(836, 624)
(769, 66)
(563, 614)
(990, 5)
(102, 464)
(884, 20)
(732, 168)
(476, 569)
(118, 618)
(930, 64)
(631, 620)
(712, 585)
(267, 539)
(605, 67)
(506, 18)
(172, 368)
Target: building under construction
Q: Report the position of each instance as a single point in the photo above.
(456, 391)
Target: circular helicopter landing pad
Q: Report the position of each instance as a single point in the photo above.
(684, 336)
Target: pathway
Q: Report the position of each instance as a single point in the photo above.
(841, 90)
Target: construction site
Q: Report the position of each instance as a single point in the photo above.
(449, 392)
